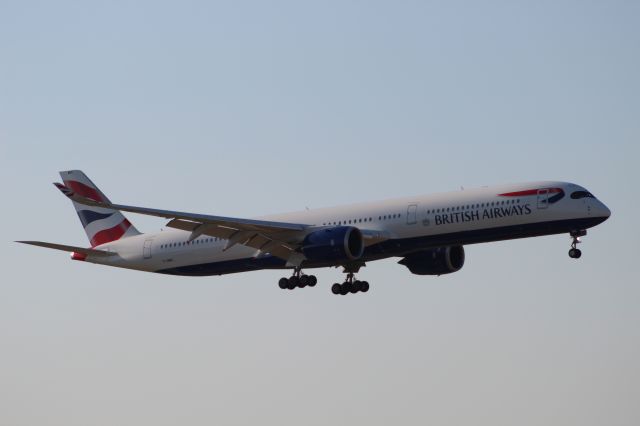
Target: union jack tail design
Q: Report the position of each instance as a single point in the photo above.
(101, 225)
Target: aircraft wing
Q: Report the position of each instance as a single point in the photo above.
(281, 239)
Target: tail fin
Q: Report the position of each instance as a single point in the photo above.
(101, 225)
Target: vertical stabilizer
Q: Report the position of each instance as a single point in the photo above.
(101, 225)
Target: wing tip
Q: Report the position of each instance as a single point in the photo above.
(64, 189)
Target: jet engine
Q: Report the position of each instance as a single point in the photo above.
(436, 261)
(341, 243)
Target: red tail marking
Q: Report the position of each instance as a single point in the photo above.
(84, 190)
(111, 234)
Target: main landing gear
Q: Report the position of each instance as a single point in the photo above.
(350, 285)
(298, 279)
(575, 252)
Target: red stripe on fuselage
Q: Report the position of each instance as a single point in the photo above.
(111, 234)
(84, 190)
(529, 192)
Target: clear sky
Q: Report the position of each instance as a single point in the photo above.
(247, 108)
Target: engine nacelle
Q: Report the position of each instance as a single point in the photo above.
(342, 243)
(437, 261)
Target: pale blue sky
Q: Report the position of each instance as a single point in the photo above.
(247, 108)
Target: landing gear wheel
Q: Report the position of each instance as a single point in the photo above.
(304, 281)
(283, 283)
(336, 289)
(293, 282)
(575, 253)
(312, 281)
(364, 287)
(344, 289)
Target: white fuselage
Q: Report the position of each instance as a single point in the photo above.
(408, 224)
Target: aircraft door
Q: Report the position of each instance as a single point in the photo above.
(543, 198)
(412, 211)
(146, 249)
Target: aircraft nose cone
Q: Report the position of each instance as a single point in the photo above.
(604, 210)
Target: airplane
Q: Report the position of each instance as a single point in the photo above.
(428, 233)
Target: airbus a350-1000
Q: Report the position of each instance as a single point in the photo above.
(427, 232)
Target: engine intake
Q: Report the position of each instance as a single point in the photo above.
(437, 261)
(342, 243)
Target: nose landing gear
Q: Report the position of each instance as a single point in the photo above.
(575, 252)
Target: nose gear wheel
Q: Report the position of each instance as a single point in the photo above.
(575, 252)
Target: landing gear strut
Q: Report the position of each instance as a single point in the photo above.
(575, 252)
(298, 279)
(350, 285)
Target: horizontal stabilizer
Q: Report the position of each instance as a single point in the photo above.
(82, 250)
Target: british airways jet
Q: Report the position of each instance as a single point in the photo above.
(428, 233)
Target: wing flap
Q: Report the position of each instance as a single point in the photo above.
(260, 241)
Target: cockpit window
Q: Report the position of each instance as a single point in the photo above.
(581, 194)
